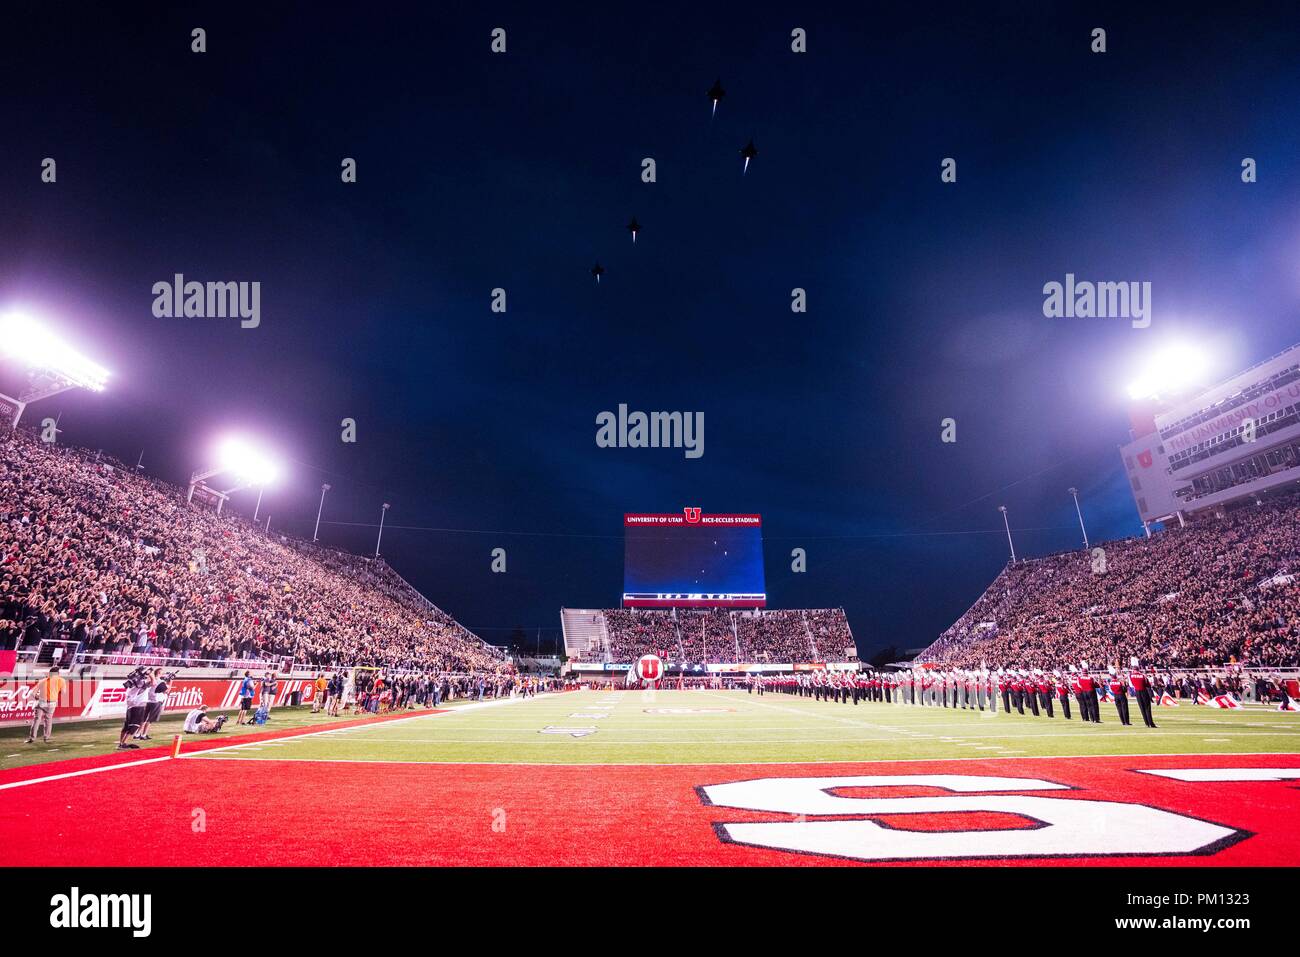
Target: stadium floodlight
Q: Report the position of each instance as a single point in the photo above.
(380, 538)
(1003, 510)
(1173, 369)
(53, 366)
(1075, 493)
(315, 536)
(244, 463)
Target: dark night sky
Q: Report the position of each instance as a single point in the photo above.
(519, 171)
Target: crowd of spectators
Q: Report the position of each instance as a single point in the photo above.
(365, 690)
(715, 636)
(1222, 589)
(830, 633)
(634, 632)
(93, 551)
(707, 636)
(773, 636)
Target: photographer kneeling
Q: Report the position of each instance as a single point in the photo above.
(198, 722)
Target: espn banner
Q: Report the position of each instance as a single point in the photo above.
(89, 698)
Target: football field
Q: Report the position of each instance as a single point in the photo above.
(736, 727)
(728, 778)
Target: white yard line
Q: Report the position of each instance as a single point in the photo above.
(77, 774)
(476, 705)
(736, 764)
(196, 754)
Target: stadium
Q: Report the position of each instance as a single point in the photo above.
(713, 716)
(320, 548)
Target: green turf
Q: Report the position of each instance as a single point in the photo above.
(82, 738)
(774, 728)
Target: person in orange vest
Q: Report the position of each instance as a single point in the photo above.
(47, 693)
(321, 694)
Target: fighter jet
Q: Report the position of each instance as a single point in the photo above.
(634, 227)
(749, 152)
(716, 92)
(598, 270)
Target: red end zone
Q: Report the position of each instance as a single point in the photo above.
(1051, 811)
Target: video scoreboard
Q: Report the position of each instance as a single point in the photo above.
(692, 559)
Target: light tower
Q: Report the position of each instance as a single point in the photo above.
(1075, 492)
(52, 365)
(381, 529)
(243, 464)
(315, 536)
(1003, 510)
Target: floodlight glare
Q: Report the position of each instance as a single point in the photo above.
(1172, 370)
(27, 342)
(251, 466)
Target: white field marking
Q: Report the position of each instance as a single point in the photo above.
(1226, 774)
(707, 723)
(741, 764)
(988, 747)
(703, 736)
(699, 742)
(77, 774)
(798, 711)
(675, 742)
(392, 721)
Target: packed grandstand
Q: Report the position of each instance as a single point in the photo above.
(94, 552)
(1222, 589)
(716, 636)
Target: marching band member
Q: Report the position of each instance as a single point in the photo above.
(1044, 683)
(1142, 692)
(1119, 690)
(1063, 693)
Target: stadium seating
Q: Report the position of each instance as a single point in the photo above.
(93, 551)
(707, 636)
(716, 636)
(1223, 588)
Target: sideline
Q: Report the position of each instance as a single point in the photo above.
(109, 762)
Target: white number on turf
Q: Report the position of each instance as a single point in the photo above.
(1069, 827)
(1202, 775)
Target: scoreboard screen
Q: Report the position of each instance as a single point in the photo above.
(693, 560)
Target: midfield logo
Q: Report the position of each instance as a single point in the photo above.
(571, 732)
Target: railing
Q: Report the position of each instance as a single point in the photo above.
(284, 663)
